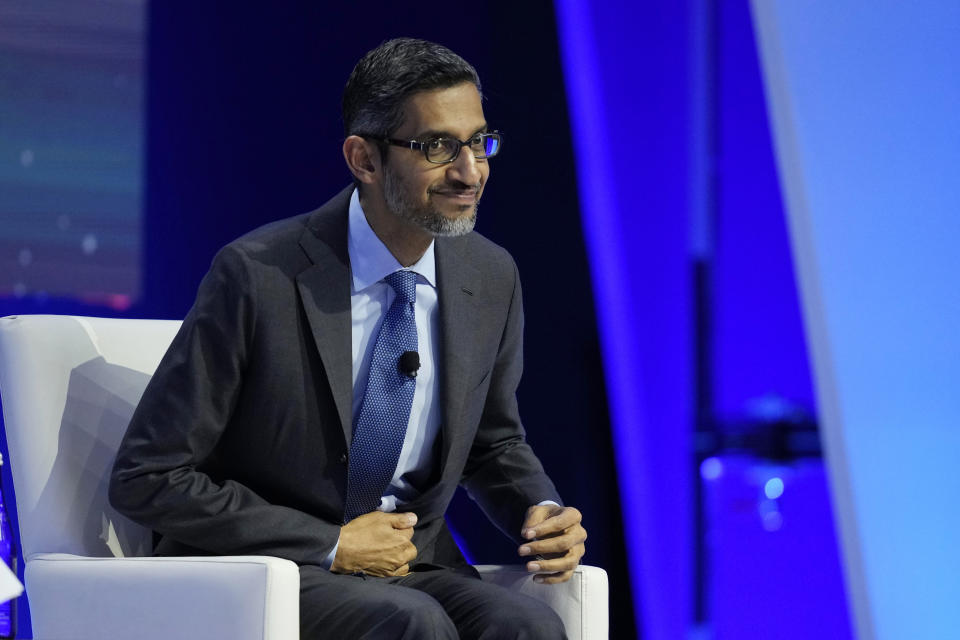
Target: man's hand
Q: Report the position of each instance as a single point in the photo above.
(556, 539)
(377, 544)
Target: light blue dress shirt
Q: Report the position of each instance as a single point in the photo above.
(370, 297)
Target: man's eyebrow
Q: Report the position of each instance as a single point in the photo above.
(437, 133)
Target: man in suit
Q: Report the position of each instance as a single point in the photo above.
(341, 372)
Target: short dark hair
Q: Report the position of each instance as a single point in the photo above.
(385, 77)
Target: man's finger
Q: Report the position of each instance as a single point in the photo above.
(411, 552)
(566, 562)
(558, 521)
(553, 578)
(557, 544)
(551, 566)
(536, 515)
(401, 570)
(403, 520)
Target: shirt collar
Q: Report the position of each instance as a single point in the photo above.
(370, 260)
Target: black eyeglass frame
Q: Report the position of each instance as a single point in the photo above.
(421, 145)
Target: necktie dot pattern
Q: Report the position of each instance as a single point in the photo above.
(381, 425)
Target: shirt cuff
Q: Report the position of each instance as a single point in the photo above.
(539, 504)
(328, 561)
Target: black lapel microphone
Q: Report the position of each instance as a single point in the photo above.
(409, 363)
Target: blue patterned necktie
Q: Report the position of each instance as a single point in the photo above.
(381, 425)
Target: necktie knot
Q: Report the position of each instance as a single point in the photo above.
(404, 283)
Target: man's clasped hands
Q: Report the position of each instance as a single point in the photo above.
(380, 544)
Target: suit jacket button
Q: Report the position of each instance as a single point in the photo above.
(343, 458)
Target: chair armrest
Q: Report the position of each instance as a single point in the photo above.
(581, 602)
(237, 597)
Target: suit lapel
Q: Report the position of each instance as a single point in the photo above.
(325, 293)
(459, 290)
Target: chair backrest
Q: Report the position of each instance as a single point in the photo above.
(69, 386)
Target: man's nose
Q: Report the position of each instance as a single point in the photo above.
(465, 168)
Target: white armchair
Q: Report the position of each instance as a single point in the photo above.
(69, 386)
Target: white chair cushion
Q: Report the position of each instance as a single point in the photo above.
(235, 598)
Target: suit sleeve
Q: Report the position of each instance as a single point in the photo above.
(502, 474)
(183, 413)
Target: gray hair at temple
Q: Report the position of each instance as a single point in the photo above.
(385, 77)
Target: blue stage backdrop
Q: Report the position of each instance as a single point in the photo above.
(628, 68)
(865, 103)
(698, 317)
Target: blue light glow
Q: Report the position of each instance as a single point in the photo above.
(770, 517)
(772, 521)
(773, 488)
(711, 469)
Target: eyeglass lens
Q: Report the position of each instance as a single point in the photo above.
(481, 145)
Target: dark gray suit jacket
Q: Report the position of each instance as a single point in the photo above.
(239, 444)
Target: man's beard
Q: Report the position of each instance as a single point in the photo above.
(424, 216)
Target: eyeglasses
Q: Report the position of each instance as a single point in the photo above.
(446, 150)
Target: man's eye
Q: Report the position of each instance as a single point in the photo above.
(435, 144)
(477, 140)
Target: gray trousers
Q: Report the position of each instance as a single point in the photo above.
(436, 603)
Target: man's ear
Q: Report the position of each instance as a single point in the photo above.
(363, 159)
